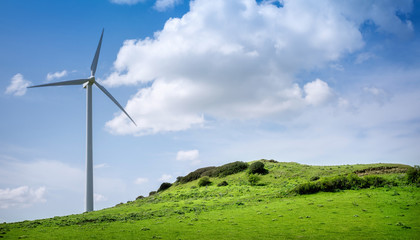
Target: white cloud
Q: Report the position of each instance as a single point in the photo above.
(128, 2)
(156, 103)
(191, 156)
(99, 198)
(23, 196)
(18, 85)
(140, 181)
(55, 75)
(165, 177)
(317, 92)
(162, 5)
(237, 60)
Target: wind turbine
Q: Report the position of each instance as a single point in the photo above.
(87, 83)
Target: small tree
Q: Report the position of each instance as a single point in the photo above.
(253, 179)
(164, 186)
(413, 174)
(152, 193)
(257, 168)
(204, 181)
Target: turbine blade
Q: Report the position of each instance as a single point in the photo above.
(95, 59)
(64, 83)
(114, 100)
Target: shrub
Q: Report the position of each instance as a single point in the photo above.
(375, 181)
(222, 171)
(224, 183)
(230, 168)
(413, 174)
(307, 188)
(139, 197)
(194, 175)
(164, 186)
(204, 181)
(152, 193)
(331, 184)
(253, 179)
(257, 168)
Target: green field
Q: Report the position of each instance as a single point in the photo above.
(269, 209)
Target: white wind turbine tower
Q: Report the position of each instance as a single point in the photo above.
(87, 83)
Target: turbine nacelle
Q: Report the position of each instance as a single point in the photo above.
(90, 81)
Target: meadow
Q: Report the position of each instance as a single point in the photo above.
(270, 208)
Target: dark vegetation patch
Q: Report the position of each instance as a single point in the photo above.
(380, 170)
(152, 193)
(269, 161)
(222, 184)
(204, 181)
(257, 168)
(222, 171)
(194, 175)
(413, 175)
(164, 186)
(342, 182)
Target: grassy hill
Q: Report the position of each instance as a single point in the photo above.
(380, 204)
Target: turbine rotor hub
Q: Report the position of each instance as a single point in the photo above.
(90, 81)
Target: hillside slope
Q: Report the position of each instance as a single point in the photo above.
(266, 209)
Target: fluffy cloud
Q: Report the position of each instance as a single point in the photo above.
(188, 156)
(23, 196)
(317, 92)
(238, 59)
(55, 75)
(162, 5)
(99, 198)
(18, 85)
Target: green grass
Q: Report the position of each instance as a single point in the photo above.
(241, 211)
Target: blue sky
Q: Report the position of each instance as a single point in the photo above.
(208, 82)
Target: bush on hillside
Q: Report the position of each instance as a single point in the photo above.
(230, 168)
(257, 168)
(253, 179)
(164, 186)
(152, 193)
(332, 184)
(204, 181)
(222, 171)
(413, 175)
(194, 175)
(222, 184)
